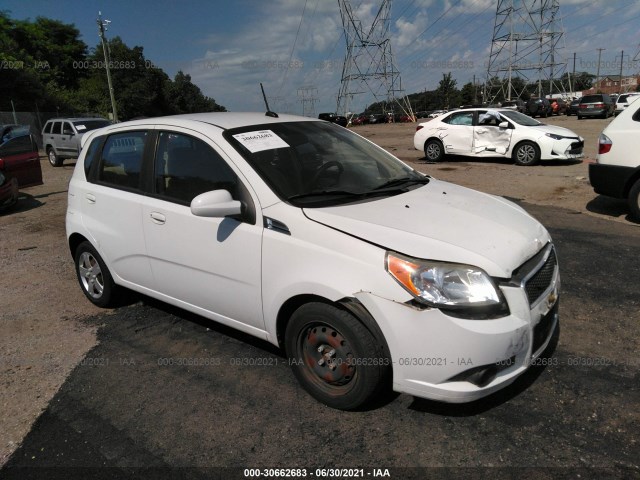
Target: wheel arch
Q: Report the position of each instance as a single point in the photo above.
(348, 304)
(633, 178)
(525, 140)
(75, 239)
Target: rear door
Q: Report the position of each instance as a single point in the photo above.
(456, 132)
(112, 204)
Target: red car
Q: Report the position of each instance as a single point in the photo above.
(19, 165)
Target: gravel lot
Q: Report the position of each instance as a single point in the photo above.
(43, 335)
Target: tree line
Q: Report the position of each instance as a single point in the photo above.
(45, 66)
(448, 95)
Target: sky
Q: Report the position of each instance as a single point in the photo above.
(296, 48)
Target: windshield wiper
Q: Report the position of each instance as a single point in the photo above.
(394, 182)
(325, 193)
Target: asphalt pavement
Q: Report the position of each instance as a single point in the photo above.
(167, 394)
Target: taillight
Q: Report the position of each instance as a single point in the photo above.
(604, 144)
(582, 105)
(418, 127)
(599, 105)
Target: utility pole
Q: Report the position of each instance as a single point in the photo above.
(307, 96)
(573, 75)
(621, 61)
(107, 59)
(598, 71)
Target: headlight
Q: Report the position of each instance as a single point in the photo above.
(554, 136)
(443, 284)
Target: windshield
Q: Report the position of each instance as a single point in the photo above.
(319, 164)
(520, 118)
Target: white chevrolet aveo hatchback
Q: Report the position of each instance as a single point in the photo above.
(367, 273)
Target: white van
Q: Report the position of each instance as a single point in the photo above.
(367, 273)
(616, 172)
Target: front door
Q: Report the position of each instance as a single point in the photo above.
(489, 139)
(209, 263)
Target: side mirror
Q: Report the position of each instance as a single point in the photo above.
(217, 203)
(67, 132)
(503, 125)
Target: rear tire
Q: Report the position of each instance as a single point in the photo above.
(634, 201)
(94, 276)
(434, 150)
(334, 357)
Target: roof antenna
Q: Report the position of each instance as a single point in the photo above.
(269, 112)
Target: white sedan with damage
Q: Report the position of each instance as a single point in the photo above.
(482, 132)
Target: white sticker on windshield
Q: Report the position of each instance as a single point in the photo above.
(259, 141)
(80, 127)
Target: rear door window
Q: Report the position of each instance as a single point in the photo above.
(121, 160)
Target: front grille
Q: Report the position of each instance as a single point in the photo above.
(543, 329)
(540, 281)
(576, 148)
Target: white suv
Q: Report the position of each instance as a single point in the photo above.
(300, 232)
(616, 172)
(623, 101)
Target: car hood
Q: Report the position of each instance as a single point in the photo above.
(565, 132)
(446, 222)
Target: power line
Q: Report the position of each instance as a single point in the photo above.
(293, 47)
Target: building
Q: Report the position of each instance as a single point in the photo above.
(611, 84)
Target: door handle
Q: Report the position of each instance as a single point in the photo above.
(481, 130)
(90, 198)
(157, 218)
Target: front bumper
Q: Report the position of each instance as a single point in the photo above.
(564, 149)
(457, 360)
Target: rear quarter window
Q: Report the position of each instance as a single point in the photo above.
(92, 155)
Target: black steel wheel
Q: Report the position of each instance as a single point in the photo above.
(334, 357)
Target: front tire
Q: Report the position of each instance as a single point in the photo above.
(634, 201)
(334, 357)
(434, 150)
(54, 160)
(526, 154)
(94, 276)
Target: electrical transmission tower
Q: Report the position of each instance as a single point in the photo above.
(527, 36)
(368, 63)
(307, 96)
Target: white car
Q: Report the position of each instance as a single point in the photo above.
(624, 100)
(482, 132)
(302, 233)
(616, 172)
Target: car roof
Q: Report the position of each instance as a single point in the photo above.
(223, 120)
(75, 119)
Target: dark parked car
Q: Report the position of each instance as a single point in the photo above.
(597, 105)
(377, 118)
(334, 118)
(539, 107)
(19, 165)
(572, 109)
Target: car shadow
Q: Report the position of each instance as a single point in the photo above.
(611, 207)
(522, 383)
(495, 160)
(25, 203)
